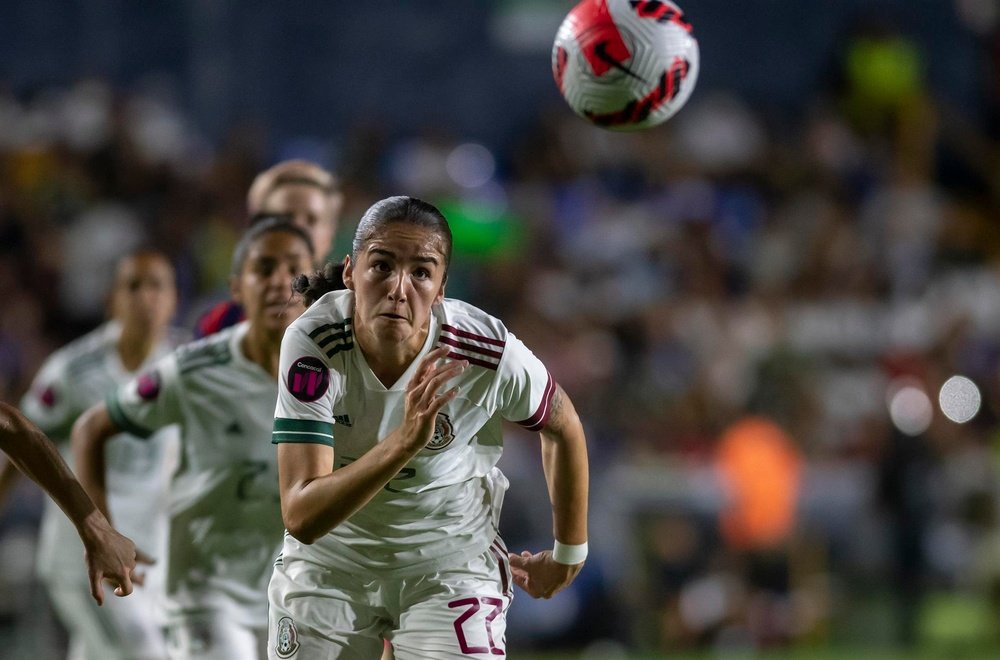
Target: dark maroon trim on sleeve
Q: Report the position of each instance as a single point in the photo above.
(541, 417)
(471, 335)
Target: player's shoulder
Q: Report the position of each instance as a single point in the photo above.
(327, 323)
(178, 336)
(471, 333)
(85, 353)
(213, 350)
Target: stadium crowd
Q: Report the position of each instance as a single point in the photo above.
(801, 285)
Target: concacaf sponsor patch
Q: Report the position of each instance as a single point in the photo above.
(148, 385)
(308, 378)
(287, 639)
(48, 396)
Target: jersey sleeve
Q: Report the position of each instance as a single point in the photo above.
(50, 403)
(525, 386)
(306, 391)
(149, 401)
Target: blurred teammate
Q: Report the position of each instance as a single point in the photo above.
(142, 303)
(305, 192)
(393, 533)
(109, 555)
(224, 518)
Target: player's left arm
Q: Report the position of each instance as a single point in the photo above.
(564, 459)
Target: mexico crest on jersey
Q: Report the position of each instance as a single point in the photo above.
(444, 433)
(288, 639)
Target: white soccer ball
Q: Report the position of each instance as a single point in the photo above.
(625, 64)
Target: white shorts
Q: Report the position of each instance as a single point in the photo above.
(122, 629)
(211, 635)
(318, 612)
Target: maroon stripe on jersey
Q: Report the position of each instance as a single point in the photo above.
(502, 562)
(470, 335)
(469, 347)
(541, 417)
(471, 359)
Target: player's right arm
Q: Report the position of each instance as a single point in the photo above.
(315, 498)
(139, 407)
(109, 554)
(91, 432)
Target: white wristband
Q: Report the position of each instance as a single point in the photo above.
(569, 554)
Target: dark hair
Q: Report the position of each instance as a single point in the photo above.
(315, 286)
(403, 209)
(257, 218)
(409, 210)
(266, 225)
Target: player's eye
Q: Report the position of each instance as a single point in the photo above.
(422, 274)
(264, 268)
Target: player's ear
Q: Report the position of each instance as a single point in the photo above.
(348, 272)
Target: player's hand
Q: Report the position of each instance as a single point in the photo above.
(110, 556)
(540, 575)
(424, 397)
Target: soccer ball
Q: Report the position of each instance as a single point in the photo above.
(625, 65)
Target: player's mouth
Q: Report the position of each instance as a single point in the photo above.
(393, 317)
(276, 308)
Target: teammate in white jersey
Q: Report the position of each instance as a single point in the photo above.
(109, 555)
(389, 489)
(72, 379)
(225, 524)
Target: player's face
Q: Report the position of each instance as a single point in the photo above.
(264, 286)
(398, 276)
(145, 295)
(310, 208)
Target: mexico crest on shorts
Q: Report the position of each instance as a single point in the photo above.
(288, 639)
(444, 433)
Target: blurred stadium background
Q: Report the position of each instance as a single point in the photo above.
(760, 308)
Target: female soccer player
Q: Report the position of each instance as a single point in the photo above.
(142, 302)
(224, 519)
(388, 427)
(109, 555)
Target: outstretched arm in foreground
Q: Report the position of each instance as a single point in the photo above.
(110, 556)
(564, 458)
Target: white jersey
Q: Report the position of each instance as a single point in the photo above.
(441, 509)
(70, 381)
(225, 525)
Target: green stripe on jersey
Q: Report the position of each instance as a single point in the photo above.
(302, 430)
(121, 421)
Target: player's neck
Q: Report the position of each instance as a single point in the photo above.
(262, 349)
(389, 361)
(135, 345)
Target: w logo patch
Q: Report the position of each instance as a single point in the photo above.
(308, 378)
